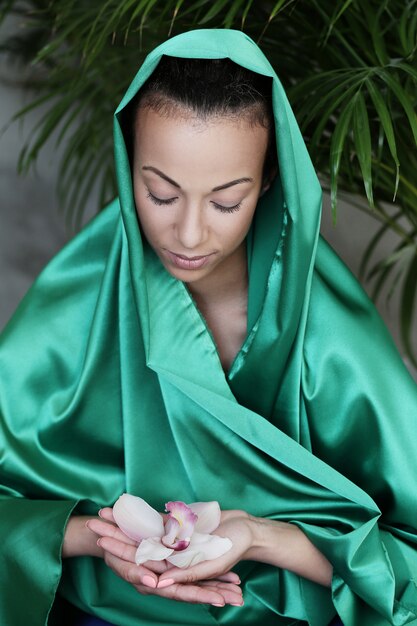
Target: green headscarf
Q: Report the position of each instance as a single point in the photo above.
(110, 382)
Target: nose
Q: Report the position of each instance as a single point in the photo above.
(191, 227)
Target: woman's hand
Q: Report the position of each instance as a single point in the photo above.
(267, 541)
(119, 551)
(78, 540)
(239, 527)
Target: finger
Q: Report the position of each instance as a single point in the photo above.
(218, 584)
(120, 549)
(232, 594)
(132, 573)
(104, 529)
(194, 594)
(156, 566)
(107, 514)
(230, 577)
(203, 571)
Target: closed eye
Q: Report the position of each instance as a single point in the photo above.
(160, 201)
(227, 209)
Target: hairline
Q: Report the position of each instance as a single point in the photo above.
(168, 107)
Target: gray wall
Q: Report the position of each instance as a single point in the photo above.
(32, 231)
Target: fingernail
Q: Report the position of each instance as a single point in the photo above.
(165, 583)
(214, 604)
(237, 604)
(99, 513)
(98, 542)
(149, 581)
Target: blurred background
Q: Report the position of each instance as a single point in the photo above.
(351, 74)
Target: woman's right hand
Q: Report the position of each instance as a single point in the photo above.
(118, 551)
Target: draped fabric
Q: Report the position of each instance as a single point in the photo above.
(111, 382)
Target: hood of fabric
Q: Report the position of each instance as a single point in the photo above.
(110, 382)
(283, 238)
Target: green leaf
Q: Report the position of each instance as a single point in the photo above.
(362, 139)
(375, 29)
(385, 119)
(245, 12)
(407, 28)
(215, 9)
(342, 128)
(231, 14)
(338, 14)
(277, 8)
(383, 273)
(370, 248)
(174, 15)
(405, 100)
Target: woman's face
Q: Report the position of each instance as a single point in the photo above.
(196, 187)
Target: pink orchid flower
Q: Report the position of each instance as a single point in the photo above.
(184, 539)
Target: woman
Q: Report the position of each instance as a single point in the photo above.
(220, 357)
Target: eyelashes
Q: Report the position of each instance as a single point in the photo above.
(158, 201)
(227, 209)
(219, 207)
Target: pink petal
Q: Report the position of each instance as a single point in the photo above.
(151, 550)
(202, 548)
(136, 518)
(208, 516)
(185, 516)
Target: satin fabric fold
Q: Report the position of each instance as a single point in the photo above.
(110, 382)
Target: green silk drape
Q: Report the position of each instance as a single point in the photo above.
(110, 382)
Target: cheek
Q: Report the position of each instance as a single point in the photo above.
(239, 224)
(151, 218)
(149, 224)
(231, 232)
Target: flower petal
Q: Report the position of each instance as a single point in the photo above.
(172, 527)
(170, 539)
(185, 516)
(136, 518)
(151, 550)
(208, 516)
(202, 548)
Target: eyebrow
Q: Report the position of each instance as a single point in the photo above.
(238, 181)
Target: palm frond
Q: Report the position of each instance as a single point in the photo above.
(349, 66)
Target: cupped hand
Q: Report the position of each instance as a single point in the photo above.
(238, 527)
(119, 554)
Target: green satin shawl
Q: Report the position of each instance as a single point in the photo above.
(110, 382)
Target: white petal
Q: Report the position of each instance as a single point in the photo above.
(151, 550)
(170, 532)
(208, 516)
(136, 518)
(202, 548)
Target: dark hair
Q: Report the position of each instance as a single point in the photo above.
(208, 87)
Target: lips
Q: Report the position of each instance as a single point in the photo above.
(188, 262)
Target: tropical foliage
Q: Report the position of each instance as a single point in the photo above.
(349, 67)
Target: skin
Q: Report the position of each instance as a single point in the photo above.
(198, 157)
(196, 186)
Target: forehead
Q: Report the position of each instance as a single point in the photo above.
(188, 146)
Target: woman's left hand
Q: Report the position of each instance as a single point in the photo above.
(274, 542)
(239, 527)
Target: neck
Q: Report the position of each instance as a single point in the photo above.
(228, 283)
